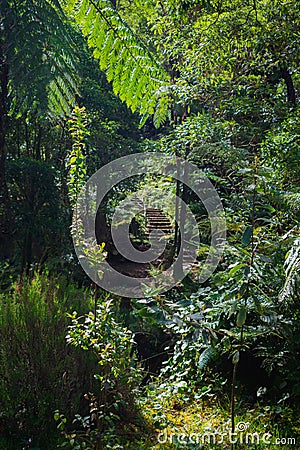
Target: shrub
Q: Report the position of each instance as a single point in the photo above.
(39, 372)
(113, 407)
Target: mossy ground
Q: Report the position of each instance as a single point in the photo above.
(176, 422)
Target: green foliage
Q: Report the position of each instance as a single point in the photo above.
(38, 49)
(38, 372)
(292, 267)
(118, 376)
(135, 75)
(176, 419)
(282, 146)
(237, 314)
(205, 357)
(226, 75)
(38, 215)
(77, 160)
(77, 178)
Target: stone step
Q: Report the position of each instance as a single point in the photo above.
(155, 211)
(158, 218)
(159, 226)
(165, 221)
(166, 230)
(158, 222)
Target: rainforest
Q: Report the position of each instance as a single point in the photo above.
(149, 224)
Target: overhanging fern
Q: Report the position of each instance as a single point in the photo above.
(37, 48)
(135, 75)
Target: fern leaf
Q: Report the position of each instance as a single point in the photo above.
(135, 75)
(42, 46)
(106, 49)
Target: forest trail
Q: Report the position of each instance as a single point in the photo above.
(155, 220)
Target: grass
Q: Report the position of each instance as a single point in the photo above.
(38, 371)
(205, 423)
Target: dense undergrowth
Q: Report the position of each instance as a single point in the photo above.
(69, 380)
(39, 371)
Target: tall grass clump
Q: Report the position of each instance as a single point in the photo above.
(39, 371)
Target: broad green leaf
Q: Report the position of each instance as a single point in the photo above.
(246, 238)
(241, 317)
(236, 358)
(235, 268)
(205, 357)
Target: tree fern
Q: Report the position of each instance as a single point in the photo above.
(38, 49)
(135, 75)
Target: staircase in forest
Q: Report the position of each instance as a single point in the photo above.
(157, 220)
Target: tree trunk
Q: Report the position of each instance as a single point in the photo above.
(5, 210)
(37, 144)
(182, 219)
(176, 231)
(3, 125)
(178, 272)
(291, 94)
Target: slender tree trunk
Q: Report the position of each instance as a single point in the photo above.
(27, 139)
(3, 130)
(6, 219)
(18, 139)
(103, 231)
(291, 94)
(232, 403)
(37, 145)
(182, 218)
(176, 231)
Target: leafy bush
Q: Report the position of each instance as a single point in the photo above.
(118, 377)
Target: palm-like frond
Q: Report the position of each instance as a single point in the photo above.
(39, 52)
(135, 75)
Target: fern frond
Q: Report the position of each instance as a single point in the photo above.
(135, 75)
(39, 51)
(162, 110)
